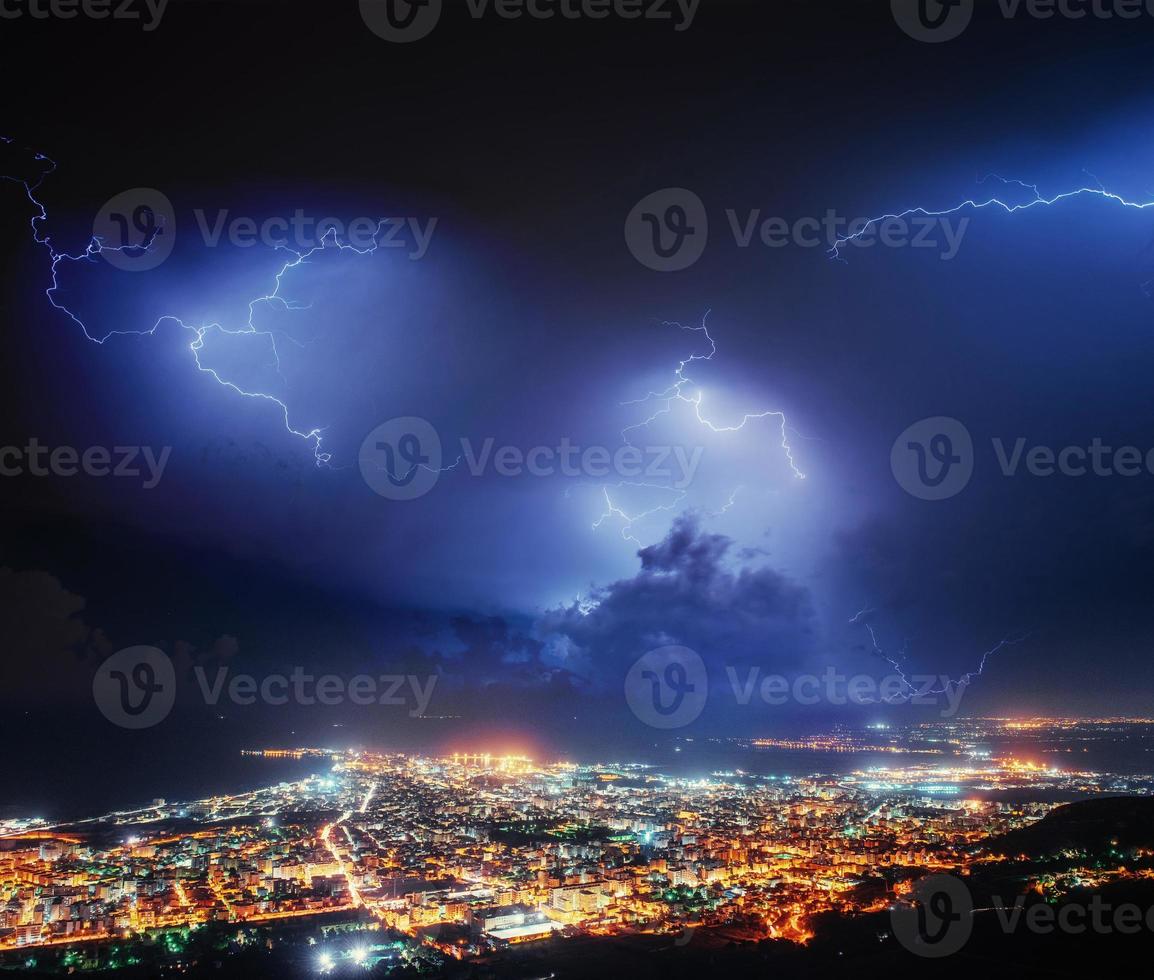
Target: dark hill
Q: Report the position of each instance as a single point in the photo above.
(1117, 823)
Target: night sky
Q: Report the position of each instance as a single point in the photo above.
(529, 321)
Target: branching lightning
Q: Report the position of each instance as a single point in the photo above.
(614, 510)
(685, 390)
(1038, 199)
(678, 392)
(909, 690)
(274, 298)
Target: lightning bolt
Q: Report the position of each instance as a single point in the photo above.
(274, 298)
(685, 390)
(614, 510)
(909, 690)
(729, 504)
(1009, 207)
(677, 391)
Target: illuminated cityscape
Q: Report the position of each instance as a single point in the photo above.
(419, 859)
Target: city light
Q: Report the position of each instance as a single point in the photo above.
(468, 854)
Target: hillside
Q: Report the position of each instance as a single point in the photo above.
(1118, 824)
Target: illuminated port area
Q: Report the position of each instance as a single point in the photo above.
(407, 859)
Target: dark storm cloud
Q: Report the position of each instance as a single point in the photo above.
(52, 650)
(687, 592)
(494, 650)
(47, 642)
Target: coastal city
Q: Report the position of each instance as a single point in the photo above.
(465, 855)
